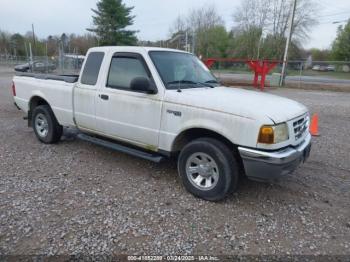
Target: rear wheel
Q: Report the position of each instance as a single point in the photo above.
(208, 169)
(45, 125)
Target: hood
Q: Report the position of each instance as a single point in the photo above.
(240, 102)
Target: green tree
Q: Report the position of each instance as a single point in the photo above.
(341, 45)
(272, 47)
(218, 41)
(205, 23)
(320, 54)
(245, 43)
(17, 43)
(112, 17)
(5, 47)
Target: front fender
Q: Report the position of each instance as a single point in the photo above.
(238, 130)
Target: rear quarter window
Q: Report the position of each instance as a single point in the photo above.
(92, 68)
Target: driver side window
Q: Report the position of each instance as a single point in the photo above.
(123, 70)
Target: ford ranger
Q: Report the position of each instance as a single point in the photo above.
(156, 103)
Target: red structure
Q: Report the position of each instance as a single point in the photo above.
(259, 67)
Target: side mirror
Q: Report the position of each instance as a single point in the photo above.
(143, 84)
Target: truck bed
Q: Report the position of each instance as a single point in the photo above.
(65, 78)
(56, 90)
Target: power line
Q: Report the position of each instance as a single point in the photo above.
(335, 14)
(333, 22)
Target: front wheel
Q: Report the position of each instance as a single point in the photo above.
(45, 125)
(208, 169)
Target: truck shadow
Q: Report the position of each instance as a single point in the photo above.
(69, 134)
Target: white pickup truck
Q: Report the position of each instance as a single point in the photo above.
(156, 103)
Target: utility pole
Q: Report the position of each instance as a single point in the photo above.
(47, 59)
(194, 42)
(285, 58)
(33, 36)
(30, 53)
(61, 55)
(25, 47)
(31, 58)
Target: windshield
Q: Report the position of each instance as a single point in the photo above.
(182, 70)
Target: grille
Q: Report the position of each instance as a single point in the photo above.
(300, 126)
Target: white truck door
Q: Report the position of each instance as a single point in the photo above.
(125, 114)
(85, 92)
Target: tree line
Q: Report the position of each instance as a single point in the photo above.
(18, 45)
(259, 31)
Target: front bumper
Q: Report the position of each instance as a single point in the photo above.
(268, 166)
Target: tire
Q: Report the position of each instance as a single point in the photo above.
(45, 125)
(220, 169)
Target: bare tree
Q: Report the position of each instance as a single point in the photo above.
(252, 14)
(273, 16)
(199, 22)
(306, 18)
(179, 25)
(82, 43)
(199, 19)
(204, 18)
(4, 42)
(280, 13)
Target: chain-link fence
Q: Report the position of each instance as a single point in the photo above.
(302, 74)
(60, 65)
(8, 60)
(333, 73)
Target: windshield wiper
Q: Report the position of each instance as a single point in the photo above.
(212, 82)
(179, 82)
(206, 84)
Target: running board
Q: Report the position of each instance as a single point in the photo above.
(120, 148)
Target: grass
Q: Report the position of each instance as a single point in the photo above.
(335, 75)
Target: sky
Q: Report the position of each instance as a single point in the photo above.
(153, 17)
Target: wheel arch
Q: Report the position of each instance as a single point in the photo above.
(34, 102)
(193, 133)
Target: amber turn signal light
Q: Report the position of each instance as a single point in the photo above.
(266, 135)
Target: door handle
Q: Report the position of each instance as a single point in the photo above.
(104, 97)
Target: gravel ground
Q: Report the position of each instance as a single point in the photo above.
(77, 198)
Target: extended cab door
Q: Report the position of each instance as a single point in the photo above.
(84, 96)
(125, 114)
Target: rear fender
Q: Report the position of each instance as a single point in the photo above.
(38, 98)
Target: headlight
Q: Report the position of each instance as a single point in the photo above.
(273, 134)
